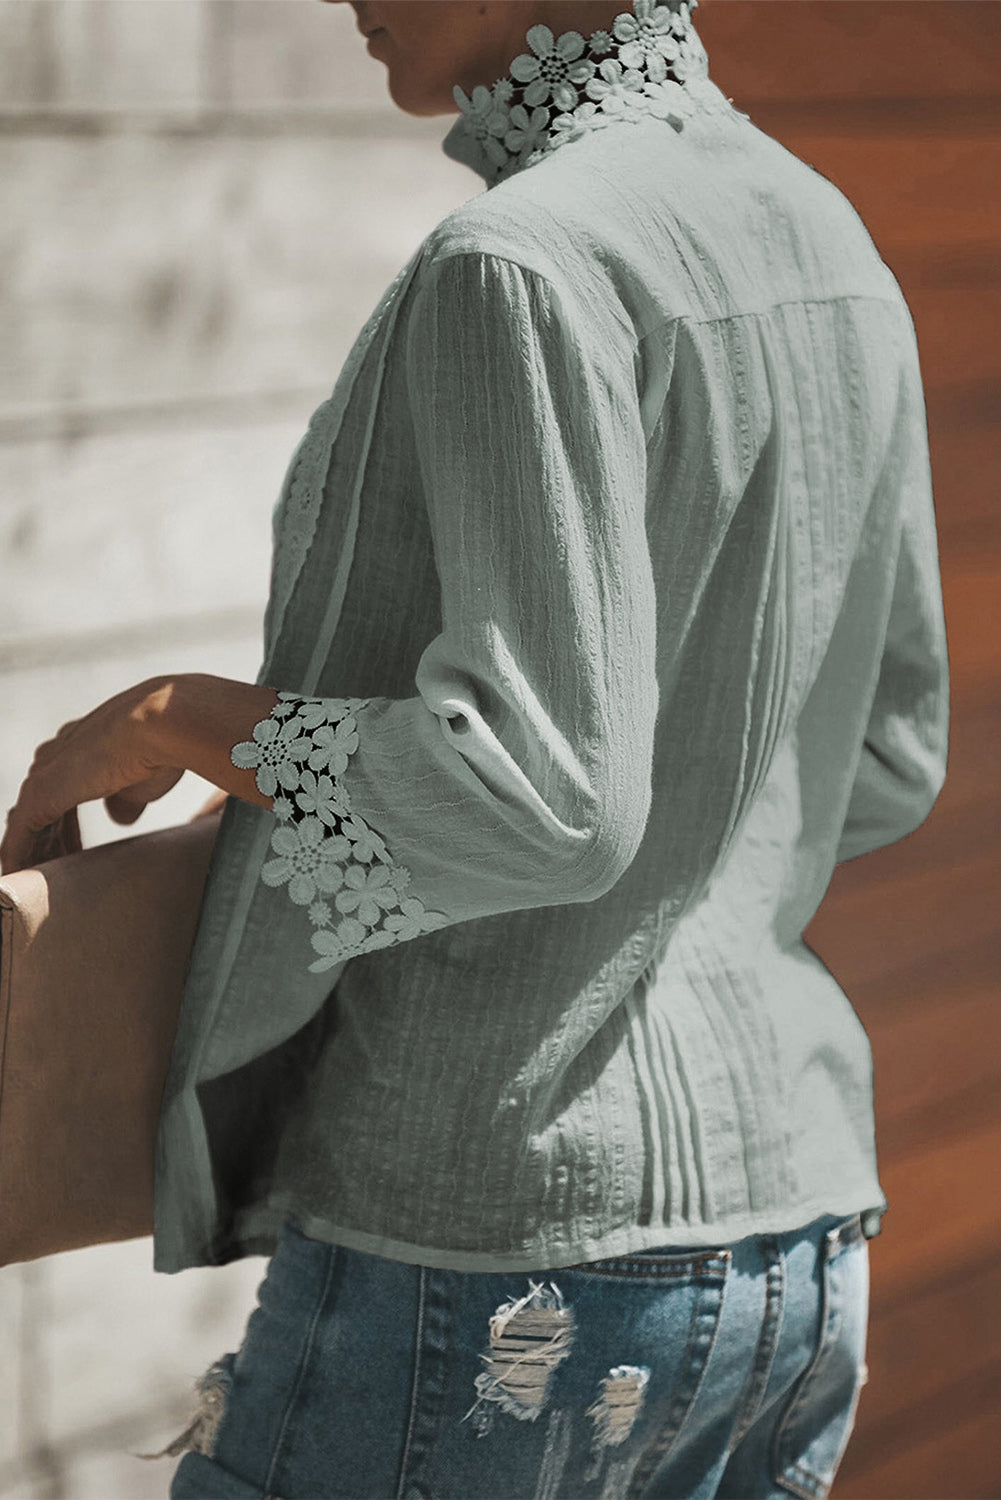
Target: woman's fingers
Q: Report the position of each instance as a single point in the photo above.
(72, 842)
(55, 746)
(107, 754)
(21, 840)
(122, 808)
(23, 847)
(28, 840)
(126, 805)
(61, 837)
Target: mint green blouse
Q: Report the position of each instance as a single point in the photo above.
(606, 610)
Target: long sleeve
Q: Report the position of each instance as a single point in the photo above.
(904, 754)
(519, 773)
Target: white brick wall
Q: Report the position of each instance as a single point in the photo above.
(200, 203)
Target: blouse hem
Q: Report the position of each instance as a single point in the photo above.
(258, 1229)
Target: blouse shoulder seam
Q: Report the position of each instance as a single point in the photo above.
(553, 280)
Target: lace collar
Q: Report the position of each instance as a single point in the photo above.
(651, 62)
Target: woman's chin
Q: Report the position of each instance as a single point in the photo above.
(414, 101)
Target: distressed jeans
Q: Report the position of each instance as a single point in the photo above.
(685, 1373)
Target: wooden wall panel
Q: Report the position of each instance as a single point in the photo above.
(850, 49)
(899, 103)
(966, 463)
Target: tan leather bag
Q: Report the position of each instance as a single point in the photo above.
(94, 953)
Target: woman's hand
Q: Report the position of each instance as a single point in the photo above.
(110, 753)
(131, 750)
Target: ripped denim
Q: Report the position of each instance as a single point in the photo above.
(721, 1372)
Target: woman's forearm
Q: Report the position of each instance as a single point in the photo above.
(194, 721)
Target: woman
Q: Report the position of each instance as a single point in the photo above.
(605, 618)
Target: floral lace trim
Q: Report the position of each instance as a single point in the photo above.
(323, 849)
(554, 93)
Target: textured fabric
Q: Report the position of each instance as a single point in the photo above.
(619, 525)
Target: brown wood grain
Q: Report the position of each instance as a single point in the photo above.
(830, 49)
(940, 1047)
(936, 1225)
(898, 102)
(966, 471)
(901, 910)
(947, 1447)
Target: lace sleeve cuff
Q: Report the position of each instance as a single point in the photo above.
(327, 857)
